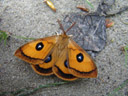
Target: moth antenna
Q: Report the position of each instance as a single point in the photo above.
(61, 26)
(70, 27)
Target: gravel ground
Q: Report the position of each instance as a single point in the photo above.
(33, 18)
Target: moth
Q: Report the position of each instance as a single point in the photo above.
(58, 55)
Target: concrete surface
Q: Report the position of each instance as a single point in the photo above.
(33, 18)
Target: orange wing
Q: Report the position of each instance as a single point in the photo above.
(46, 67)
(36, 52)
(60, 68)
(80, 63)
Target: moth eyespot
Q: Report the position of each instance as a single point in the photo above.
(66, 63)
(39, 46)
(49, 58)
(80, 57)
